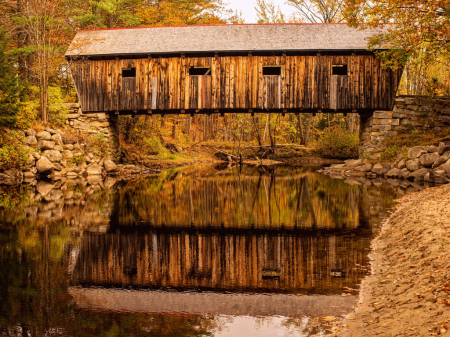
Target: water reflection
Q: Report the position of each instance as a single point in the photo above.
(192, 252)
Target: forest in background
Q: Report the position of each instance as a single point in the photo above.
(35, 80)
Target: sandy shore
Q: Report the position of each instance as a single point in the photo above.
(408, 292)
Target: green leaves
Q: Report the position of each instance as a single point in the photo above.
(11, 88)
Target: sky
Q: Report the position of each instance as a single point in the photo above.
(248, 10)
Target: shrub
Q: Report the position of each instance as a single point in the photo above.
(337, 143)
(72, 138)
(56, 109)
(30, 109)
(13, 153)
(97, 144)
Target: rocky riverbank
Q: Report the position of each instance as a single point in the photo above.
(421, 164)
(408, 292)
(56, 155)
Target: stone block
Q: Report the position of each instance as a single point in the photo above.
(376, 121)
(385, 121)
(382, 127)
(72, 116)
(412, 107)
(382, 114)
(410, 122)
(99, 124)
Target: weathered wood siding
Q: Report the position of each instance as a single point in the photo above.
(236, 82)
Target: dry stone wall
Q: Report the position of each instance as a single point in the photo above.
(95, 123)
(409, 113)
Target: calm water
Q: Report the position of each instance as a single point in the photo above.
(206, 251)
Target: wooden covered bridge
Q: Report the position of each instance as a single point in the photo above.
(230, 68)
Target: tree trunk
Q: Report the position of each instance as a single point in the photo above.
(300, 127)
(308, 129)
(129, 128)
(258, 137)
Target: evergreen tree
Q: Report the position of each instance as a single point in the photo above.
(11, 88)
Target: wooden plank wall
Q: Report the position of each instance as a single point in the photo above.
(235, 82)
(218, 261)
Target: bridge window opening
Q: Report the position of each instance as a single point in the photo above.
(271, 71)
(199, 71)
(340, 69)
(129, 72)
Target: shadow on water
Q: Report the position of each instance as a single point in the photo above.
(210, 251)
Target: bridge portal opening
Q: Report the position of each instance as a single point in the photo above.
(340, 69)
(199, 71)
(271, 71)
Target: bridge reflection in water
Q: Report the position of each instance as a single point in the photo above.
(223, 244)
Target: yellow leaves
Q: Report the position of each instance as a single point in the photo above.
(174, 13)
(328, 318)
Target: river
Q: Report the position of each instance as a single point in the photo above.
(199, 251)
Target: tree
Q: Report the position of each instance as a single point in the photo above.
(185, 12)
(267, 12)
(319, 11)
(409, 25)
(11, 88)
(108, 14)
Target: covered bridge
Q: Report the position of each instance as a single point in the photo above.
(230, 68)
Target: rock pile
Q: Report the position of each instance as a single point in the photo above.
(55, 159)
(422, 163)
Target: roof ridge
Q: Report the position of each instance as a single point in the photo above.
(222, 24)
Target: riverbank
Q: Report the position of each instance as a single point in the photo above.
(429, 164)
(408, 292)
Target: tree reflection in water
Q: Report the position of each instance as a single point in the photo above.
(237, 233)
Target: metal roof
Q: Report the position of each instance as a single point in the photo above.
(225, 38)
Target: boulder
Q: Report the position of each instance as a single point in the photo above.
(404, 173)
(46, 145)
(109, 182)
(417, 151)
(413, 164)
(364, 168)
(427, 177)
(428, 159)
(43, 135)
(439, 176)
(28, 175)
(442, 159)
(67, 154)
(419, 174)
(31, 161)
(51, 131)
(53, 156)
(56, 137)
(446, 167)
(57, 166)
(31, 140)
(110, 166)
(44, 187)
(432, 149)
(71, 175)
(30, 132)
(94, 169)
(53, 195)
(55, 175)
(43, 164)
(351, 163)
(58, 148)
(393, 173)
(36, 155)
(68, 147)
(401, 164)
(443, 148)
